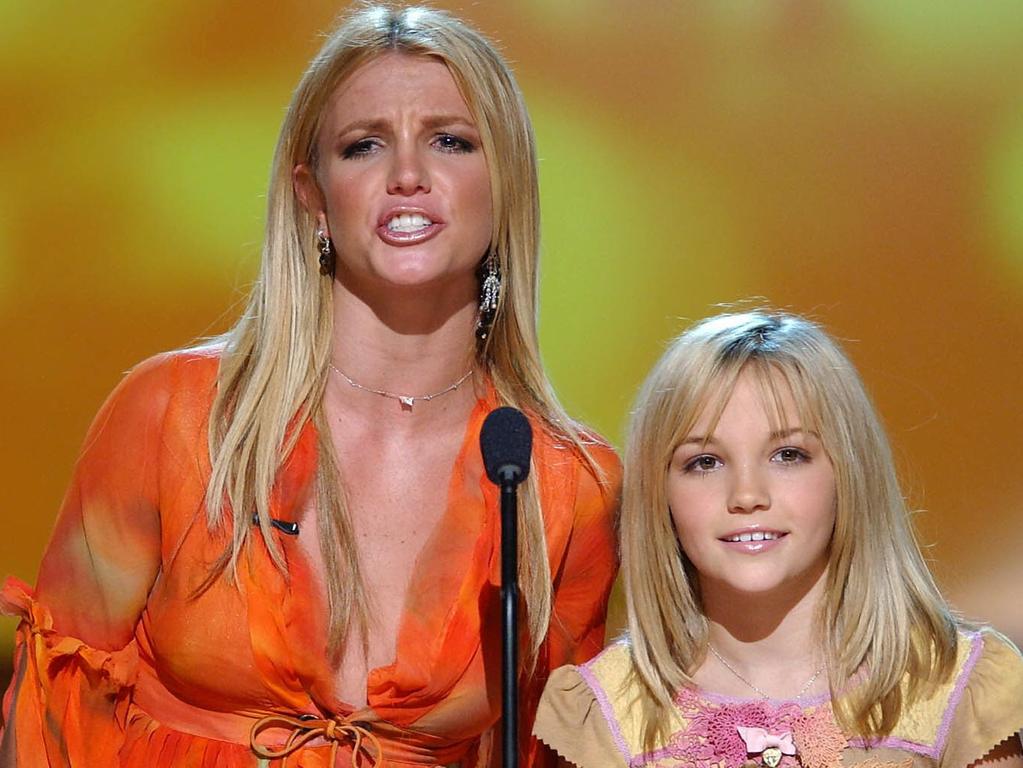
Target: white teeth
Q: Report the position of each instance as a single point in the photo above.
(408, 222)
(754, 536)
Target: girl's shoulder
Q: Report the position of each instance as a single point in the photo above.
(973, 710)
(958, 720)
(988, 667)
(583, 713)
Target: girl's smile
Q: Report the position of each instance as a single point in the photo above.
(752, 501)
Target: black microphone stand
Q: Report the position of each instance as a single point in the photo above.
(506, 442)
(510, 623)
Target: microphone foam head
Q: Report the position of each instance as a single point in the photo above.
(506, 441)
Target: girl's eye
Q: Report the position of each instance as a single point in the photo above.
(790, 456)
(359, 148)
(450, 143)
(702, 463)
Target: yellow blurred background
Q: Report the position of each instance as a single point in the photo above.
(859, 162)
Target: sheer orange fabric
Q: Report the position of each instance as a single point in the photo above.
(119, 663)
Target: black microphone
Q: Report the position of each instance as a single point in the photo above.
(506, 442)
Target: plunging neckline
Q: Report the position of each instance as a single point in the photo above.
(445, 567)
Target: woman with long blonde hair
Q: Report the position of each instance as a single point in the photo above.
(780, 612)
(280, 545)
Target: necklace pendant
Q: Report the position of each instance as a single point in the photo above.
(772, 756)
(407, 401)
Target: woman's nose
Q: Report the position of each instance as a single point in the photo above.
(408, 173)
(748, 492)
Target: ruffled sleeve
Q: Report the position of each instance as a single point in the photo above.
(75, 658)
(990, 709)
(570, 721)
(66, 699)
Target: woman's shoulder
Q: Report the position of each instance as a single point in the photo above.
(175, 381)
(177, 367)
(596, 445)
(603, 454)
(592, 456)
(586, 468)
(170, 373)
(605, 474)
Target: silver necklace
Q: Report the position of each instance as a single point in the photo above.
(407, 401)
(734, 671)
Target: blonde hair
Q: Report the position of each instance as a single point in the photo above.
(881, 612)
(274, 361)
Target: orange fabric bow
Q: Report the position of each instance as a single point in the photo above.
(304, 729)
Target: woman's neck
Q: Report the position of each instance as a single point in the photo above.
(414, 344)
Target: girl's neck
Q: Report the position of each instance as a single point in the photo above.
(767, 643)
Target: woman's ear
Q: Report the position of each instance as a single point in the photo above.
(303, 181)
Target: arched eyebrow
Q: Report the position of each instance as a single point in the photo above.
(781, 434)
(776, 434)
(698, 440)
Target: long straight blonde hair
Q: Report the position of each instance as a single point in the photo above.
(881, 612)
(274, 361)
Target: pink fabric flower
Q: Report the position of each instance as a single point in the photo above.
(819, 739)
(724, 734)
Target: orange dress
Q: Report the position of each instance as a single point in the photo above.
(120, 663)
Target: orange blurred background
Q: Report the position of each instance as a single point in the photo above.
(858, 162)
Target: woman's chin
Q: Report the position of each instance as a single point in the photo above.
(409, 277)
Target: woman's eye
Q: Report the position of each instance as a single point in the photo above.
(359, 148)
(702, 463)
(450, 143)
(790, 456)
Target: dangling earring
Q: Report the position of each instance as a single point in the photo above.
(490, 294)
(326, 249)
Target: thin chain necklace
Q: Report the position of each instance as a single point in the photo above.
(734, 671)
(407, 401)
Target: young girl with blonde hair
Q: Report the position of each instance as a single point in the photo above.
(780, 612)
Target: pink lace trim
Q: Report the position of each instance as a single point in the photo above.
(712, 738)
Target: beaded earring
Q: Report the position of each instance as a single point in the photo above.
(490, 294)
(326, 248)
